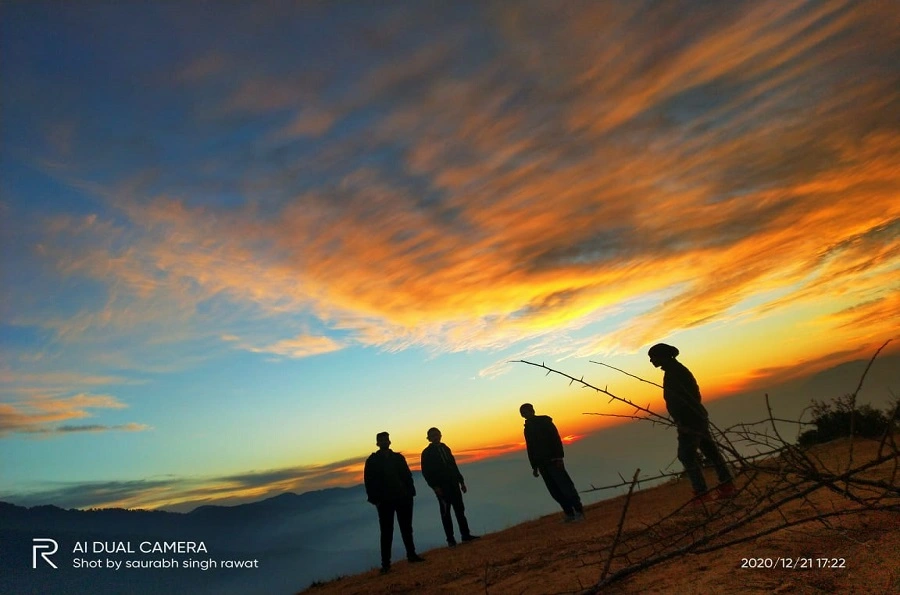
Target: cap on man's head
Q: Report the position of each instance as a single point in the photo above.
(526, 408)
(663, 350)
(382, 435)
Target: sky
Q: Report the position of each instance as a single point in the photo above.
(239, 239)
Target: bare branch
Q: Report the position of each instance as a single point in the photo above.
(613, 397)
(612, 549)
(627, 373)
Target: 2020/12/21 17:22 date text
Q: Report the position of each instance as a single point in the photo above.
(800, 563)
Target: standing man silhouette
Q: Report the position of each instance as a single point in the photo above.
(545, 453)
(682, 395)
(442, 475)
(389, 486)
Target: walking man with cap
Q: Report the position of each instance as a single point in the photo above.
(545, 453)
(682, 395)
(442, 475)
(389, 486)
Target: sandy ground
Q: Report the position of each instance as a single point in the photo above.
(546, 556)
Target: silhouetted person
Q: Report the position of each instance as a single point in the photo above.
(682, 395)
(545, 453)
(442, 475)
(389, 486)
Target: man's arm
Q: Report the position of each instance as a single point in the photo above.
(369, 481)
(530, 441)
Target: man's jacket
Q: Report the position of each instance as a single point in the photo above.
(387, 477)
(439, 467)
(682, 395)
(543, 441)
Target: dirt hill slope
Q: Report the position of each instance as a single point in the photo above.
(546, 556)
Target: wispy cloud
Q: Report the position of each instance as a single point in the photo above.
(38, 415)
(300, 346)
(492, 178)
(185, 493)
(35, 384)
(68, 429)
(477, 454)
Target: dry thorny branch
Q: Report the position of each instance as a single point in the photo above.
(777, 475)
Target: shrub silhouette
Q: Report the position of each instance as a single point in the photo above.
(835, 420)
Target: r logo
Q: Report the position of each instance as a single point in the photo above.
(38, 544)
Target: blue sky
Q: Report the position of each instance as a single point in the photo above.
(240, 239)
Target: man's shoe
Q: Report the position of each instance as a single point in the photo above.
(726, 491)
(470, 537)
(579, 516)
(385, 569)
(415, 558)
(452, 542)
(570, 518)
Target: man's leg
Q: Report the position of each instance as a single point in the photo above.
(687, 454)
(566, 488)
(547, 473)
(711, 451)
(569, 490)
(386, 524)
(455, 499)
(404, 520)
(446, 520)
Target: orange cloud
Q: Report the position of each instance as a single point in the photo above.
(23, 383)
(38, 414)
(477, 454)
(740, 152)
(300, 346)
(307, 123)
